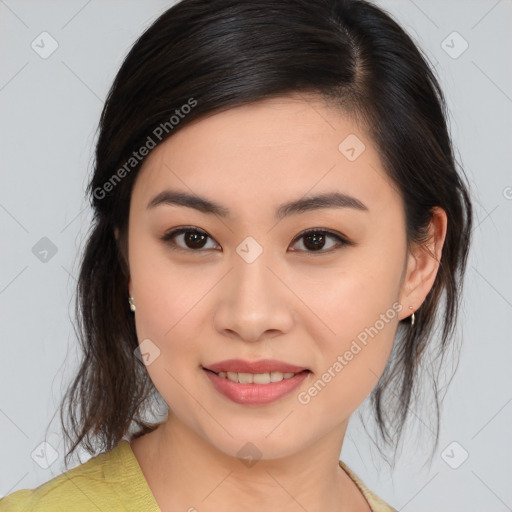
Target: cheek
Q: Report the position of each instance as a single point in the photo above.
(166, 314)
(352, 361)
(165, 291)
(357, 303)
(352, 293)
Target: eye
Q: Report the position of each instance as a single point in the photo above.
(315, 240)
(193, 239)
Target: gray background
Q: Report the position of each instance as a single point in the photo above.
(49, 113)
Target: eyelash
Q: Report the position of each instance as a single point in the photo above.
(341, 241)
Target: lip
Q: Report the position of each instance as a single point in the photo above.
(255, 394)
(261, 366)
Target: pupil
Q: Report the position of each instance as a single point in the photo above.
(194, 237)
(319, 241)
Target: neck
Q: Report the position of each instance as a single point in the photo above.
(186, 472)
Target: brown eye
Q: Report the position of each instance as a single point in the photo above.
(316, 240)
(192, 239)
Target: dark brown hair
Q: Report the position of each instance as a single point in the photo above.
(219, 54)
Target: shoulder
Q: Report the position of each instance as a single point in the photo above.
(376, 504)
(91, 486)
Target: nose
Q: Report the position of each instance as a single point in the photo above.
(254, 302)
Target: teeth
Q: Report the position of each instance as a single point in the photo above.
(255, 378)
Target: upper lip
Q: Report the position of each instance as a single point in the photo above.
(261, 366)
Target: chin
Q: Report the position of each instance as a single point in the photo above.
(257, 446)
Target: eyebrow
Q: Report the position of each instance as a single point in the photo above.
(204, 205)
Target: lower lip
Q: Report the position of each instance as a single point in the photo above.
(255, 394)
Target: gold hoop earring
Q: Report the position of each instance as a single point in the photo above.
(412, 316)
(132, 305)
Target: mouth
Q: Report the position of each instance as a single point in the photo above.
(257, 383)
(256, 378)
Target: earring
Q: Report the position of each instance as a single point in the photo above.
(412, 316)
(132, 305)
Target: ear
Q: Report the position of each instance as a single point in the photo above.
(422, 265)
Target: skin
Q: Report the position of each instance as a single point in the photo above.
(292, 303)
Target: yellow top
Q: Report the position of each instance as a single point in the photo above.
(112, 481)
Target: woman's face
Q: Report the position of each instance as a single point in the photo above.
(253, 287)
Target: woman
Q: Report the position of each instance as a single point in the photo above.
(280, 228)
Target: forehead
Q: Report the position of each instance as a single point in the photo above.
(270, 150)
